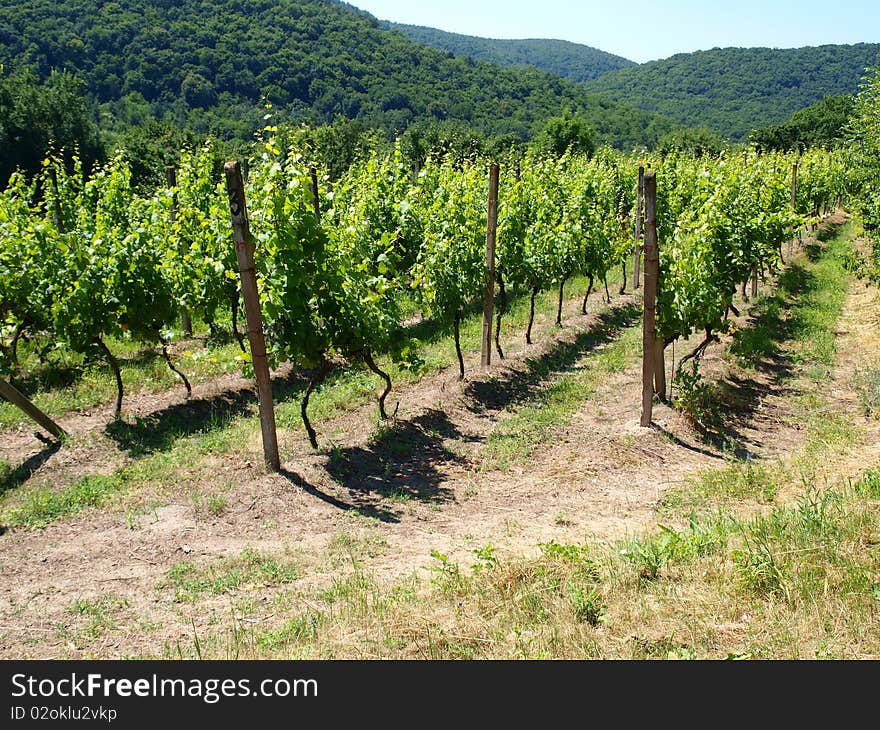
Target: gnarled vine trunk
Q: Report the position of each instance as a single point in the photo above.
(371, 363)
(456, 327)
(114, 365)
(502, 310)
(319, 378)
(531, 315)
(168, 360)
(587, 295)
(561, 295)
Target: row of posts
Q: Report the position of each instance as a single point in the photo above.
(653, 366)
(653, 348)
(244, 251)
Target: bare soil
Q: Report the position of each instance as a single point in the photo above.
(402, 490)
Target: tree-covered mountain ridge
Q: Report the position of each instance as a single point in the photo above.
(734, 90)
(572, 61)
(213, 66)
(729, 90)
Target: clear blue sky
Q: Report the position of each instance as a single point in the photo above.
(641, 30)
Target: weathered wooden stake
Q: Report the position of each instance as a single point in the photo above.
(489, 292)
(14, 396)
(637, 252)
(754, 281)
(660, 368)
(316, 203)
(244, 252)
(652, 272)
(171, 182)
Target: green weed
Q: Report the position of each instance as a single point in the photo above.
(738, 481)
(44, 505)
(517, 436)
(867, 385)
(249, 568)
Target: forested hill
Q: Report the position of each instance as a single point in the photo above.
(732, 90)
(210, 66)
(569, 60)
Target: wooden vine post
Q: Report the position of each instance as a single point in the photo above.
(14, 396)
(637, 249)
(489, 292)
(652, 273)
(244, 252)
(316, 202)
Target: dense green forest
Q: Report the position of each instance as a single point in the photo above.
(35, 117)
(153, 75)
(733, 90)
(825, 124)
(210, 67)
(570, 60)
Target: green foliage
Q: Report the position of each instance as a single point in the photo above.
(562, 58)
(486, 559)
(449, 271)
(250, 568)
(447, 574)
(717, 221)
(92, 251)
(335, 147)
(869, 484)
(99, 614)
(867, 385)
(439, 140)
(734, 90)
(691, 141)
(866, 155)
(649, 555)
(103, 259)
(292, 258)
(696, 398)
(796, 551)
(738, 481)
(115, 282)
(586, 604)
(150, 147)
(566, 135)
(564, 216)
(820, 125)
(38, 117)
(43, 505)
(198, 253)
(209, 67)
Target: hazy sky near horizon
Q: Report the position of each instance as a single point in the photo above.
(641, 30)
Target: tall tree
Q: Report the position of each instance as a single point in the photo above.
(41, 117)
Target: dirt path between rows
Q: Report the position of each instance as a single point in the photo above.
(416, 488)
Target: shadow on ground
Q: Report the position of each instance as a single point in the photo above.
(18, 476)
(761, 347)
(522, 382)
(408, 460)
(159, 431)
